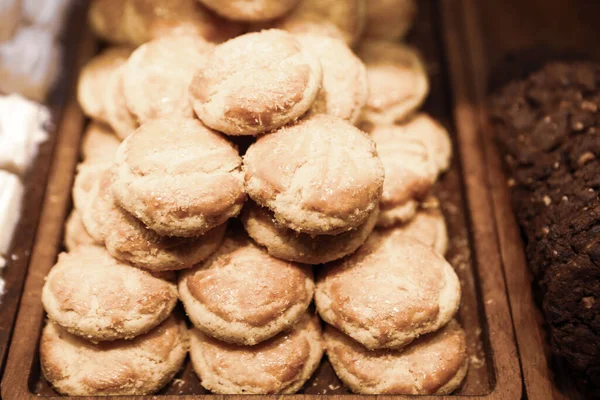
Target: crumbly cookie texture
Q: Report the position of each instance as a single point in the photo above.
(178, 177)
(141, 366)
(280, 365)
(324, 175)
(387, 294)
(398, 81)
(242, 295)
(284, 243)
(434, 364)
(256, 83)
(94, 296)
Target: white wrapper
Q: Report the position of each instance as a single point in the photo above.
(11, 196)
(47, 14)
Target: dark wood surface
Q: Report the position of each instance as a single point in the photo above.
(494, 368)
(35, 186)
(504, 40)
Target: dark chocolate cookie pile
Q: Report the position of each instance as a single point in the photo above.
(548, 129)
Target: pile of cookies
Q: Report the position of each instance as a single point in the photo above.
(319, 152)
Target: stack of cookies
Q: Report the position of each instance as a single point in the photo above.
(268, 126)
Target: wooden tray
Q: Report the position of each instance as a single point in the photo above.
(35, 186)
(494, 369)
(518, 36)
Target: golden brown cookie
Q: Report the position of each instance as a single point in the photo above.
(118, 116)
(280, 365)
(94, 79)
(341, 19)
(127, 239)
(428, 227)
(99, 144)
(136, 22)
(86, 176)
(389, 292)
(390, 19)
(178, 177)
(75, 233)
(433, 364)
(94, 296)
(242, 295)
(255, 83)
(410, 172)
(250, 10)
(323, 175)
(290, 245)
(344, 90)
(398, 81)
(157, 76)
(141, 366)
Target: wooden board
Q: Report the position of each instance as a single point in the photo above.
(498, 41)
(494, 368)
(35, 186)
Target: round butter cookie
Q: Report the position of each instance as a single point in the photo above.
(344, 90)
(94, 78)
(434, 364)
(290, 245)
(142, 366)
(118, 116)
(255, 83)
(323, 176)
(280, 365)
(75, 233)
(398, 81)
(390, 19)
(242, 295)
(99, 144)
(86, 176)
(94, 296)
(147, 20)
(106, 18)
(178, 177)
(392, 290)
(250, 10)
(341, 19)
(410, 172)
(157, 76)
(127, 239)
(428, 227)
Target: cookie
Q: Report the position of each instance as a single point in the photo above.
(289, 245)
(75, 233)
(136, 22)
(434, 364)
(280, 365)
(244, 10)
(127, 239)
(94, 79)
(141, 366)
(256, 83)
(86, 176)
(428, 227)
(96, 297)
(118, 116)
(178, 177)
(323, 175)
(99, 144)
(344, 90)
(390, 19)
(157, 76)
(410, 172)
(398, 81)
(341, 19)
(389, 292)
(242, 295)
